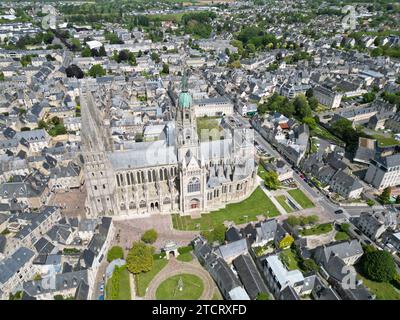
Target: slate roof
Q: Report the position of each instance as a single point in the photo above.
(249, 275)
(10, 265)
(233, 249)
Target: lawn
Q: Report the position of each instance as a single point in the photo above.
(143, 279)
(242, 212)
(382, 290)
(340, 235)
(301, 198)
(321, 132)
(282, 201)
(289, 259)
(317, 230)
(192, 288)
(385, 141)
(211, 128)
(124, 287)
(185, 257)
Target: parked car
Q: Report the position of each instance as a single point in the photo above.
(367, 241)
(358, 232)
(339, 211)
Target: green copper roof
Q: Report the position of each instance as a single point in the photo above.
(185, 100)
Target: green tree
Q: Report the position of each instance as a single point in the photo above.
(115, 253)
(378, 266)
(368, 97)
(384, 197)
(370, 202)
(313, 102)
(165, 69)
(150, 236)
(86, 52)
(262, 296)
(310, 121)
(1, 76)
(271, 180)
(97, 71)
(155, 57)
(140, 258)
(309, 265)
(301, 107)
(398, 199)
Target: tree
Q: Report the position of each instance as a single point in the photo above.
(271, 180)
(262, 296)
(286, 242)
(384, 197)
(150, 236)
(371, 202)
(309, 265)
(155, 57)
(368, 97)
(86, 52)
(102, 52)
(97, 71)
(165, 69)
(122, 56)
(309, 93)
(398, 199)
(378, 266)
(344, 227)
(313, 103)
(140, 258)
(310, 121)
(301, 107)
(74, 71)
(1, 76)
(115, 253)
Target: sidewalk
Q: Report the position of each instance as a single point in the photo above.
(272, 198)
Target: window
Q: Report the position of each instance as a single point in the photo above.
(194, 185)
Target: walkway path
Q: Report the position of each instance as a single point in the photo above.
(175, 267)
(272, 198)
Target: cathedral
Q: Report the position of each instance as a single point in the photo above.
(180, 173)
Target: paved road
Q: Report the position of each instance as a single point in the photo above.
(326, 204)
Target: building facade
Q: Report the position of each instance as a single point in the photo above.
(177, 175)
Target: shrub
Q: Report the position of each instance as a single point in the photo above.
(186, 249)
(115, 253)
(150, 236)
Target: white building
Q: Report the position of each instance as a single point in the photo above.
(384, 172)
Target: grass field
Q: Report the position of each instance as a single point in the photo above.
(124, 287)
(282, 201)
(261, 171)
(245, 211)
(192, 288)
(385, 141)
(340, 235)
(288, 258)
(382, 290)
(143, 279)
(208, 127)
(185, 257)
(301, 198)
(317, 230)
(325, 134)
